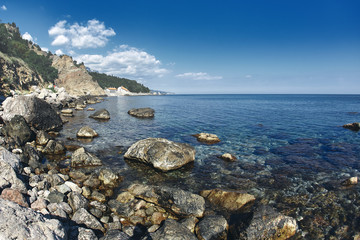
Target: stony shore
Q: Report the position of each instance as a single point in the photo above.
(81, 200)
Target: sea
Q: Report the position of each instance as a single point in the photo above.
(292, 151)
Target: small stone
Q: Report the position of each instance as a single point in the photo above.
(101, 114)
(102, 207)
(150, 211)
(228, 157)
(42, 138)
(96, 212)
(86, 132)
(157, 218)
(153, 228)
(212, 227)
(82, 216)
(350, 181)
(86, 191)
(105, 219)
(81, 158)
(66, 207)
(17, 151)
(73, 187)
(56, 197)
(95, 195)
(27, 170)
(125, 197)
(108, 177)
(190, 223)
(114, 225)
(91, 109)
(207, 138)
(92, 182)
(140, 213)
(67, 111)
(136, 220)
(77, 201)
(39, 204)
(14, 196)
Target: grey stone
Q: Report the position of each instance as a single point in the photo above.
(77, 201)
(81, 158)
(81, 216)
(212, 228)
(42, 138)
(18, 130)
(142, 112)
(108, 177)
(116, 234)
(81, 233)
(86, 132)
(172, 230)
(56, 197)
(96, 212)
(54, 147)
(101, 114)
(161, 153)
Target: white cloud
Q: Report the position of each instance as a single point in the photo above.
(248, 76)
(92, 35)
(198, 76)
(27, 36)
(44, 49)
(125, 62)
(59, 52)
(3, 7)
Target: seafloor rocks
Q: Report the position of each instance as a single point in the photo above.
(352, 126)
(161, 153)
(82, 216)
(101, 114)
(36, 112)
(77, 201)
(270, 224)
(207, 138)
(86, 132)
(17, 222)
(108, 177)
(230, 200)
(81, 158)
(172, 230)
(54, 147)
(228, 157)
(18, 130)
(142, 112)
(212, 228)
(180, 202)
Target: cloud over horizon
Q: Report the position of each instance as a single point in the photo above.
(3, 7)
(198, 76)
(92, 35)
(125, 61)
(27, 36)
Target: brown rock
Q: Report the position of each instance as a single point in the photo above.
(228, 157)
(14, 196)
(207, 138)
(231, 200)
(39, 204)
(157, 218)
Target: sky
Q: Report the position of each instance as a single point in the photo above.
(182, 46)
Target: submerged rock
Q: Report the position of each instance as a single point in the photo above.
(142, 112)
(352, 126)
(207, 138)
(81, 158)
(228, 157)
(270, 224)
(101, 114)
(180, 202)
(161, 153)
(86, 132)
(172, 230)
(212, 228)
(350, 181)
(17, 222)
(108, 177)
(231, 200)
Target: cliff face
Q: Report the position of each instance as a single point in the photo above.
(75, 78)
(15, 74)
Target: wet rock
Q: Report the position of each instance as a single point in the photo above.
(161, 153)
(14, 196)
(77, 201)
(54, 147)
(157, 218)
(42, 138)
(81, 158)
(86, 132)
(38, 113)
(108, 177)
(67, 111)
(352, 126)
(95, 195)
(125, 197)
(142, 112)
(228, 157)
(190, 223)
(55, 180)
(121, 209)
(212, 228)
(91, 109)
(33, 156)
(96, 212)
(270, 224)
(18, 130)
(17, 222)
(350, 181)
(81, 233)
(81, 216)
(73, 187)
(101, 114)
(179, 201)
(92, 181)
(171, 230)
(86, 191)
(231, 200)
(207, 138)
(56, 197)
(116, 234)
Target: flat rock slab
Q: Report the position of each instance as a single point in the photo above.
(142, 112)
(161, 153)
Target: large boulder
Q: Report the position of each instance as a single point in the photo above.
(267, 223)
(38, 113)
(180, 202)
(81, 158)
(212, 228)
(172, 230)
(17, 222)
(161, 153)
(18, 130)
(142, 112)
(230, 200)
(101, 114)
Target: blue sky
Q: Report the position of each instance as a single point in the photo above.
(253, 46)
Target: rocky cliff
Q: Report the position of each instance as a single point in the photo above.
(75, 78)
(15, 74)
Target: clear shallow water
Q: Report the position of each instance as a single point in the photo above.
(286, 145)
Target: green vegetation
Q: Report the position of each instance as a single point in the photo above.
(12, 44)
(106, 81)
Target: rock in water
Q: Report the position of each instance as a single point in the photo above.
(270, 224)
(18, 130)
(230, 200)
(161, 153)
(54, 147)
(36, 112)
(86, 132)
(81, 158)
(172, 230)
(142, 112)
(101, 114)
(17, 222)
(179, 201)
(352, 126)
(228, 157)
(207, 138)
(212, 228)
